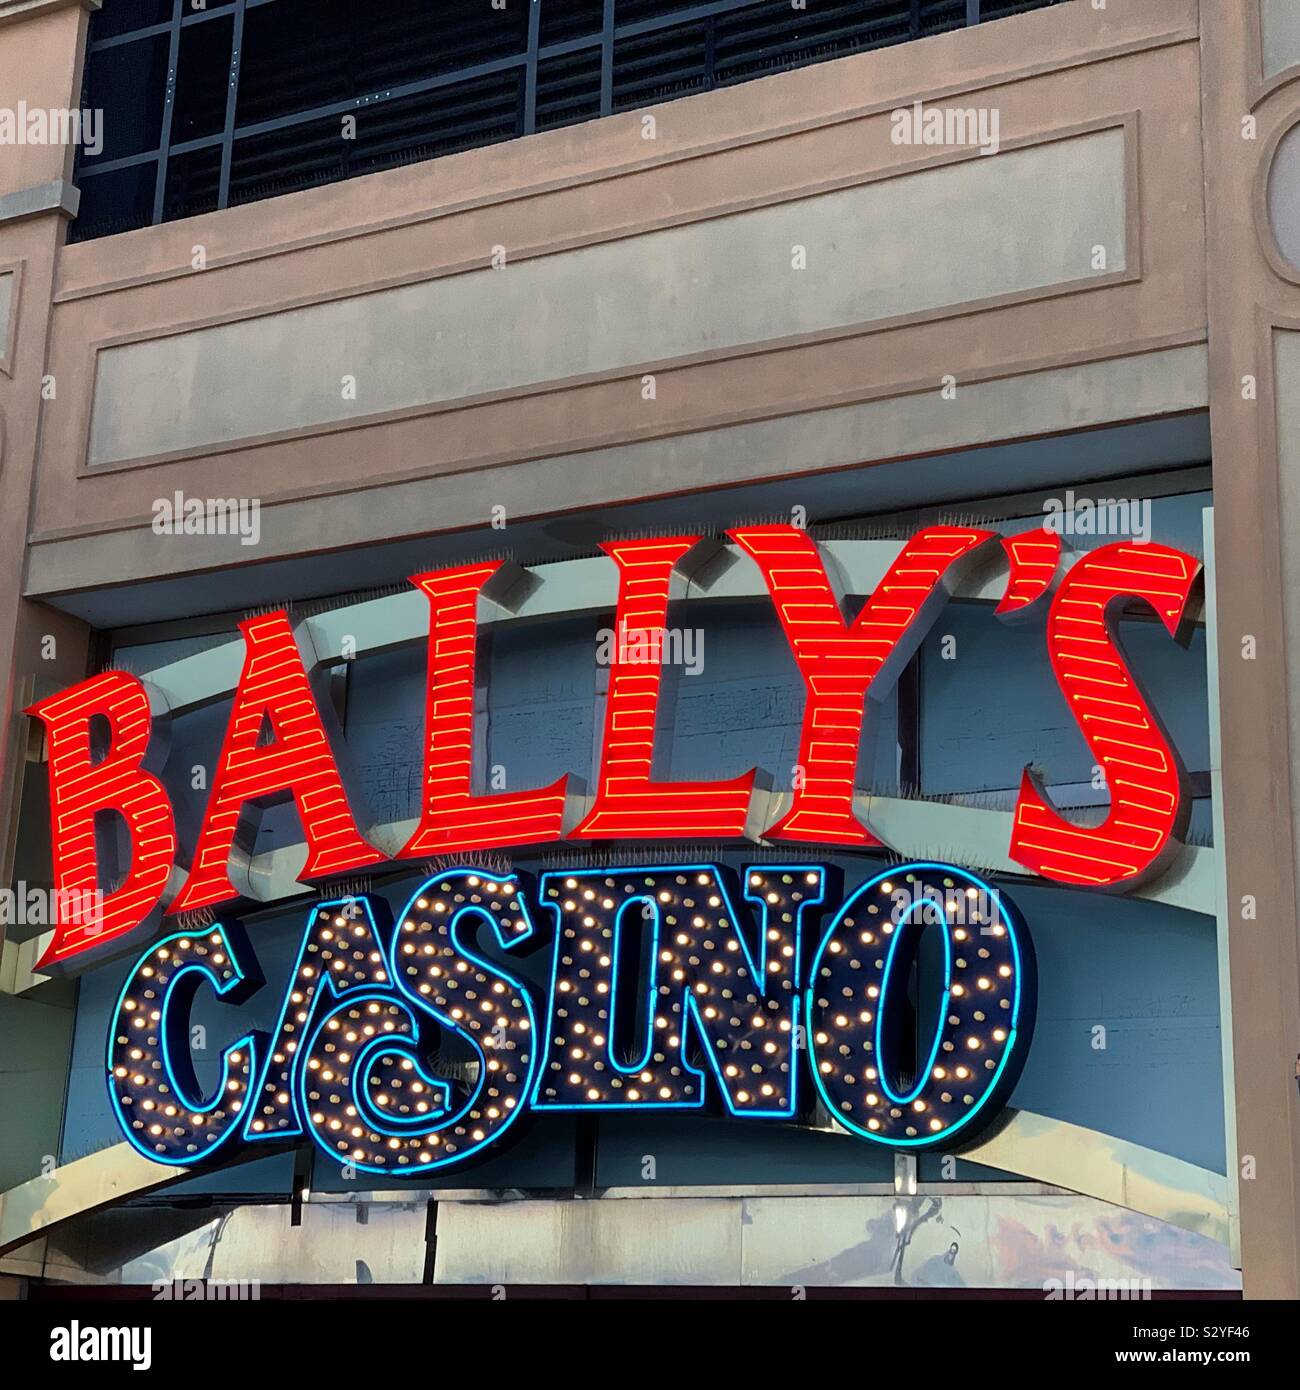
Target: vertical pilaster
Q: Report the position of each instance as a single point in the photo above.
(1256, 520)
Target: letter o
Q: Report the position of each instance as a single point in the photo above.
(983, 1014)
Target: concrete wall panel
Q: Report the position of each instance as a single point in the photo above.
(977, 229)
(1279, 23)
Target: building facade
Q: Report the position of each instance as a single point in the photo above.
(715, 322)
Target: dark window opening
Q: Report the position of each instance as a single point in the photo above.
(211, 105)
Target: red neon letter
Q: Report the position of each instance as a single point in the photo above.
(1033, 557)
(1141, 767)
(454, 818)
(297, 762)
(840, 662)
(80, 788)
(628, 803)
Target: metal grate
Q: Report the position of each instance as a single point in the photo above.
(212, 103)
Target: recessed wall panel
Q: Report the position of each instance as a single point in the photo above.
(960, 233)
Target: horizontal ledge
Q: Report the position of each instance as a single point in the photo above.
(928, 831)
(918, 830)
(567, 589)
(56, 196)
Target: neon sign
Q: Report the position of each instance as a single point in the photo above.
(845, 666)
(665, 994)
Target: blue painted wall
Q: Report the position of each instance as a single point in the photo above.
(1143, 972)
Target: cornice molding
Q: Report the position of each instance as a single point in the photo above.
(56, 196)
(11, 10)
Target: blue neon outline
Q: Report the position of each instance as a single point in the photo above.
(691, 1018)
(363, 1063)
(1014, 925)
(415, 1004)
(296, 1128)
(923, 1073)
(239, 979)
(648, 1043)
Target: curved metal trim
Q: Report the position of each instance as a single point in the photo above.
(1036, 1147)
(570, 587)
(1114, 1170)
(915, 828)
(36, 1207)
(562, 589)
